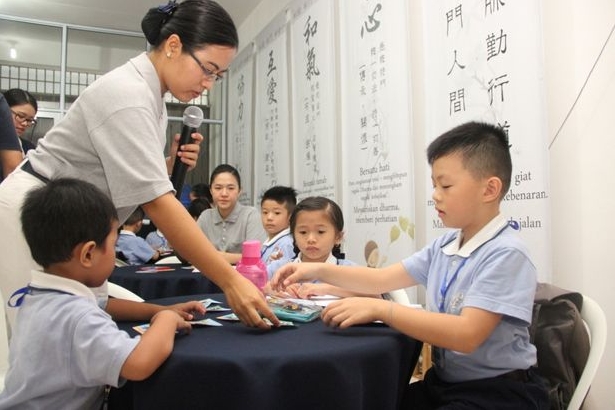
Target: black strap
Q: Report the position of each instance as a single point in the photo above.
(27, 167)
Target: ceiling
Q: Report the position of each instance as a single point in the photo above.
(111, 14)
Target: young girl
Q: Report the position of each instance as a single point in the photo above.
(228, 224)
(317, 226)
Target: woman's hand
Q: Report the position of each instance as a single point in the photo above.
(189, 153)
(249, 304)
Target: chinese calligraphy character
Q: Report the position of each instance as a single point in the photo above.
(272, 67)
(455, 63)
(492, 51)
(240, 86)
(456, 12)
(498, 82)
(271, 91)
(240, 89)
(311, 69)
(372, 23)
(310, 30)
(492, 6)
(457, 101)
(505, 128)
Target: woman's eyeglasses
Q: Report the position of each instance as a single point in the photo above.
(23, 118)
(209, 75)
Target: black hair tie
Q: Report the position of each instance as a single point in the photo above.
(167, 10)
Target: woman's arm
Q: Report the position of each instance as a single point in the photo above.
(182, 232)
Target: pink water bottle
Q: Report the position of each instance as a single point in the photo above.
(251, 266)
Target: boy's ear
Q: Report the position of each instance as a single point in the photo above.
(493, 188)
(85, 253)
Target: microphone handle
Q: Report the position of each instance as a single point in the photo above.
(179, 168)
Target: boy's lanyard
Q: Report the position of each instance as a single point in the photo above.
(446, 285)
(20, 294)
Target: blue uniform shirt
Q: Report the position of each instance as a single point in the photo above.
(492, 271)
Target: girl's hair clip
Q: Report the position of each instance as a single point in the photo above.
(168, 8)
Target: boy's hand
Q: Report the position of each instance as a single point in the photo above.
(171, 315)
(353, 311)
(186, 310)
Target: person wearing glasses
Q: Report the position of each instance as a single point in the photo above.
(114, 136)
(24, 108)
(10, 149)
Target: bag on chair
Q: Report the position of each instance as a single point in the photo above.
(561, 340)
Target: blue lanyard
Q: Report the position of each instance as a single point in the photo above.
(445, 285)
(16, 299)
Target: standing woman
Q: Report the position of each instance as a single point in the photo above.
(24, 108)
(228, 224)
(114, 136)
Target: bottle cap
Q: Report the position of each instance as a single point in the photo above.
(251, 249)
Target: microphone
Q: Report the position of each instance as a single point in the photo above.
(193, 116)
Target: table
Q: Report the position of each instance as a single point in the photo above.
(181, 280)
(306, 367)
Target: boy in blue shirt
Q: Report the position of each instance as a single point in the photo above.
(277, 205)
(135, 249)
(479, 280)
(65, 348)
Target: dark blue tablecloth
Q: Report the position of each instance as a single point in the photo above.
(306, 367)
(177, 282)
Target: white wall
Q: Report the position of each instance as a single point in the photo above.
(582, 164)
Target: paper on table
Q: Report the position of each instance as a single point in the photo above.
(231, 317)
(323, 300)
(203, 322)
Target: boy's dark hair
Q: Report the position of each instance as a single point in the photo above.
(202, 191)
(197, 22)
(320, 203)
(484, 148)
(136, 216)
(197, 206)
(283, 195)
(62, 214)
(221, 169)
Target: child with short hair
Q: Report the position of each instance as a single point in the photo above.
(65, 348)
(277, 205)
(135, 249)
(317, 226)
(479, 279)
(158, 242)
